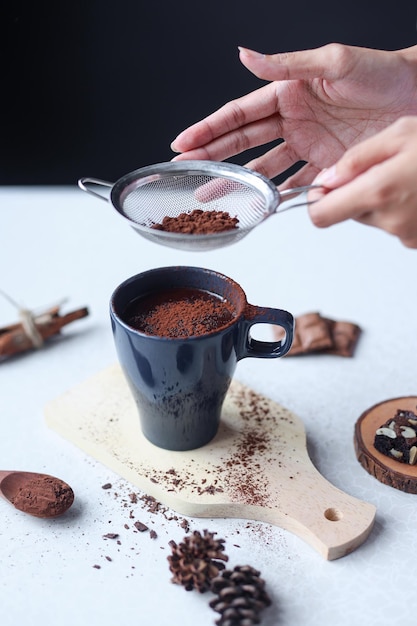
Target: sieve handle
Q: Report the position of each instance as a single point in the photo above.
(84, 182)
(287, 194)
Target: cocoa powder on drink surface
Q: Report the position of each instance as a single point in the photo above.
(198, 222)
(43, 496)
(181, 312)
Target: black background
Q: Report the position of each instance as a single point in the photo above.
(100, 88)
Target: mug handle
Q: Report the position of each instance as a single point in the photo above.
(250, 347)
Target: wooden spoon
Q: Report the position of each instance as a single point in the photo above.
(37, 494)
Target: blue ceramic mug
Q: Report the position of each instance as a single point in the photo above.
(179, 383)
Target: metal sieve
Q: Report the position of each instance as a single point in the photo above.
(147, 195)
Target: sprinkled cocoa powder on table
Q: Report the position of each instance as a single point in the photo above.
(134, 503)
(198, 222)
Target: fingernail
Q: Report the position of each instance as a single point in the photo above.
(326, 176)
(172, 146)
(251, 53)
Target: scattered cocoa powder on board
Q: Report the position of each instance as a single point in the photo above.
(240, 475)
(198, 222)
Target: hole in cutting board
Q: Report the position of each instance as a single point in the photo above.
(333, 515)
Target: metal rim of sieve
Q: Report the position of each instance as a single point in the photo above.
(174, 184)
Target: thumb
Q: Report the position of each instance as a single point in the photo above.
(304, 64)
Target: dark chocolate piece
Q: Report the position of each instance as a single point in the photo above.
(397, 437)
(315, 334)
(345, 336)
(312, 333)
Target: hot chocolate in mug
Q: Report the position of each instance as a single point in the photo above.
(179, 333)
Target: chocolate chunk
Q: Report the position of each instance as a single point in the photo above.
(315, 334)
(397, 437)
(140, 527)
(312, 333)
(345, 336)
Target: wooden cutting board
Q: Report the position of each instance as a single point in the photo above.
(257, 467)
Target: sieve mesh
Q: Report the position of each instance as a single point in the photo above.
(147, 202)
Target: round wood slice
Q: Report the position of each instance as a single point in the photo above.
(386, 469)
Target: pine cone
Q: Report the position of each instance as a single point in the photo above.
(196, 560)
(240, 596)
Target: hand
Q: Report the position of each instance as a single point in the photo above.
(375, 182)
(321, 102)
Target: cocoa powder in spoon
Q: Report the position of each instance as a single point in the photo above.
(43, 496)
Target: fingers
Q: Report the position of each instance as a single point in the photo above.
(377, 184)
(274, 162)
(363, 156)
(374, 197)
(370, 152)
(409, 242)
(236, 141)
(262, 103)
(278, 160)
(302, 177)
(403, 224)
(256, 106)
(324, 62)
(327, 208)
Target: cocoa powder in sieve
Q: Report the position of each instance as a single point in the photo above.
(44, 496)
(198, 222)
(179, 313)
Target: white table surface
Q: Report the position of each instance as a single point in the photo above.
(60, 243)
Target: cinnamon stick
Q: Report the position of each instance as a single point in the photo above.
(15, 339)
